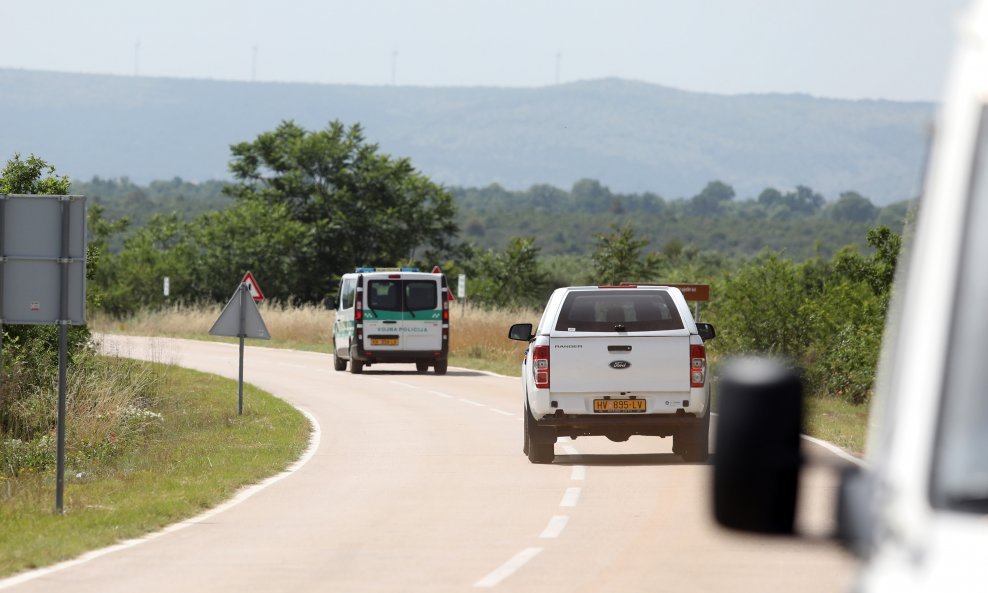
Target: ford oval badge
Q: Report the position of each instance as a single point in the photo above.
(620, 364)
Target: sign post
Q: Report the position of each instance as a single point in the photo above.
(43, 282)
(461, 291)
(241, 319)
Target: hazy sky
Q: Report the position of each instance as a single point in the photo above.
(895, 49)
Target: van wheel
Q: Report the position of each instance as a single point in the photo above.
(356, 366)
(421, 366)
(339, 364)
(441, 366)
(539, 441)
(694, 446)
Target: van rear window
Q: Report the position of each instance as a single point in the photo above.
(398, 295)
(618, 310)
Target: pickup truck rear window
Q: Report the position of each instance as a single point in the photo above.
(611, 310)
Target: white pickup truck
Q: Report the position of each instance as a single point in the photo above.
(616, 361)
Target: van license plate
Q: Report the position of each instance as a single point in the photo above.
(604, 406)
(384, 341)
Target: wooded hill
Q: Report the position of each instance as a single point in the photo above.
(632, 136)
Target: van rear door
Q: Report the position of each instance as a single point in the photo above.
(403, 313)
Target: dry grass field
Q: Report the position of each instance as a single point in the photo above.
(478, 337)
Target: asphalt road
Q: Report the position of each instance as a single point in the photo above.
(418, 483)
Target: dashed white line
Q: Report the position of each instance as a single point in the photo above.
(472, 403)
(508, 568)
(502, 412)
(408, 385)
(555, 527)
(579, 472)
(441, 394)
(571, 497)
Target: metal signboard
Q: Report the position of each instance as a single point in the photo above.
(32, 255)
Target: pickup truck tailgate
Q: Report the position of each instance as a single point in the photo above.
(614, 363)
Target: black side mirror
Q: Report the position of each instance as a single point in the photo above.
(521, 332)
(706, 331)
(756, 467)
(329, 303)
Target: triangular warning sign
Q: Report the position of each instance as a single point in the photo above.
(253, 287)
(449, 292)
(240, 317)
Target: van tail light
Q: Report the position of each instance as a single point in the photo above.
(358, 312)
(698, 365)
(446, 305)
(540, 366)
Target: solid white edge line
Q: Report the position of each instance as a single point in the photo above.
(829, 447)
(571, 497)
(835, 450)
(508, 568)
(249, 491)
(555, 527)
(579, 472)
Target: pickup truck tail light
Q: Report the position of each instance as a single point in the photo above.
(540, 366)
(698, 365)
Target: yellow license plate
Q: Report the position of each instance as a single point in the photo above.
(384, 341)
(604, 406)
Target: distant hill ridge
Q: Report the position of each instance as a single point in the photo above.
(632, 136)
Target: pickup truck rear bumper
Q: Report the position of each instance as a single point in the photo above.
(620, 424)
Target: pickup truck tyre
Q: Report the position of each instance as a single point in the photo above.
(441, 366)
(695, 445)
(339, 364)
(539, 441)
(422, 366)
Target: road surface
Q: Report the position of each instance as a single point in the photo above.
(418, 483)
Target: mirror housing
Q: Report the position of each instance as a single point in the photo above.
(706, 331)
(521, 332)
(329, 303)
(756, 466)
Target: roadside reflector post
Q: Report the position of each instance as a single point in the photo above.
(241, 319)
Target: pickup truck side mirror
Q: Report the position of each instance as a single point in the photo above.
(706, 331)
(521, 332)
(756, 467)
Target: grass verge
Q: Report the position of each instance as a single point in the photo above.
(201, 454)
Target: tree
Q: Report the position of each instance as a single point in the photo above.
(617, 257)
(511, 278)
(852, 207)
(359, 206)
(710, 201)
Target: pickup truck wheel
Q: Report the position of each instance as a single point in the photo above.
(696, 443)
(540, 441)
(441, 366)
(339, 364)
(421, 366)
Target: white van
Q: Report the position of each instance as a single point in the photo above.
(391, 315)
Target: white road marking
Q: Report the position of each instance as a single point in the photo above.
(579, 472)
(555, 527)
(314, 440)
(408, 385)
(471, 402)
(570, 450)
(502, 412)
(441, 394)
(571, 497)
(508, 568)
